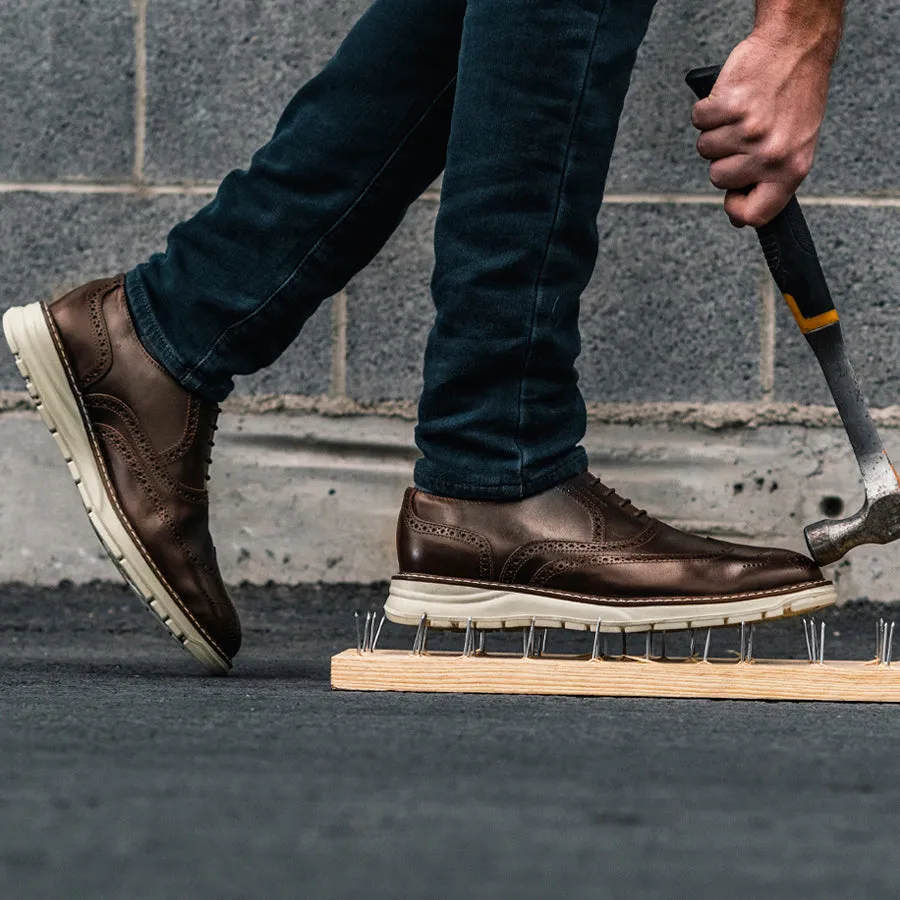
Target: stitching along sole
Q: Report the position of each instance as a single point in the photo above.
(448, 605)
(39, 364)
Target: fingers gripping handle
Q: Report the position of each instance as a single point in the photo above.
(787, 245)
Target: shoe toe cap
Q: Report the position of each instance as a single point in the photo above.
(772, 568)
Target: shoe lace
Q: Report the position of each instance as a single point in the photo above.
(610, 496)
(210, 438)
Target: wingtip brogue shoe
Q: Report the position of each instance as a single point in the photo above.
(138, 447)
(578, 554)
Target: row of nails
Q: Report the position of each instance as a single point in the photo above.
(366, 633)
(534, 645)
(814, 634)
(884, 641)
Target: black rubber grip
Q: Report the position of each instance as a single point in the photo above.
(701, 81)
(787, 244)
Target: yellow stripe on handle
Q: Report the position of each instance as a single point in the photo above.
(814, 323)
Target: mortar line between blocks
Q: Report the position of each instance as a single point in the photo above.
(140, 89)
(767, 335)
(640, 198)
(338, 387)
(675, 199)
(77, 187)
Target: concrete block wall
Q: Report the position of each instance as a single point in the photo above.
(119, 117)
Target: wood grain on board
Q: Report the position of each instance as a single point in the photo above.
(762, 679)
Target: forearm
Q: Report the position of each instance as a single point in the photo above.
(814, 25)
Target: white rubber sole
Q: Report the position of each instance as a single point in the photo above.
(448, 605)
(39, 363)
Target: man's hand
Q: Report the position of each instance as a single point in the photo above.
(760, 125)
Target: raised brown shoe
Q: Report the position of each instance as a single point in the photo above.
(137, 445)
(578, 553)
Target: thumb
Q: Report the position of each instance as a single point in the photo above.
(758, 206)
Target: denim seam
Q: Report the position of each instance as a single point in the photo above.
(550, 237)
(301, 265)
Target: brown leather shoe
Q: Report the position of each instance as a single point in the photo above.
(137, 445)
(578, 553)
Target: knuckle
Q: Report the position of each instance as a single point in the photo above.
(734, 210)
(795, 173)
(774, 151)
(742, 213)
(734, 103)
(755, 219)
(754, 128)
(799, 166)
(718, 178)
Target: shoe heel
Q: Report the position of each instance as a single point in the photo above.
(38, 361)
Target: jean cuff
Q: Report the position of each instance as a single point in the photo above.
(446, 483)
(155, 343)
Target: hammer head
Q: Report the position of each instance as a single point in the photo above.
(878, 522)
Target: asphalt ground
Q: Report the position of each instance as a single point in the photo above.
(127, 773)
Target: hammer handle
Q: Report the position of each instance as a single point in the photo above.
(791, 256)
(787, 245)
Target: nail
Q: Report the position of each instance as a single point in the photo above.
(419, 642)
(468, 640)
(693, 635)
(596, 647)
(378, 633)
(528, 641)
(544, 642)
(890, 645)
(481, 639)
(648, 645)
(822, 645)
(706, 646)
(743, 641)
(750, 645)
(809, 646)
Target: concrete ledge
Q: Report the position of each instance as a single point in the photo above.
(704, 416)
(314, 498)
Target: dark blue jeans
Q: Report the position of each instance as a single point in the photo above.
(518, 101)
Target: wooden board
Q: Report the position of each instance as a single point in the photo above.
(762, 679)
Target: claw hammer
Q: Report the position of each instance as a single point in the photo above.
(792, 260)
